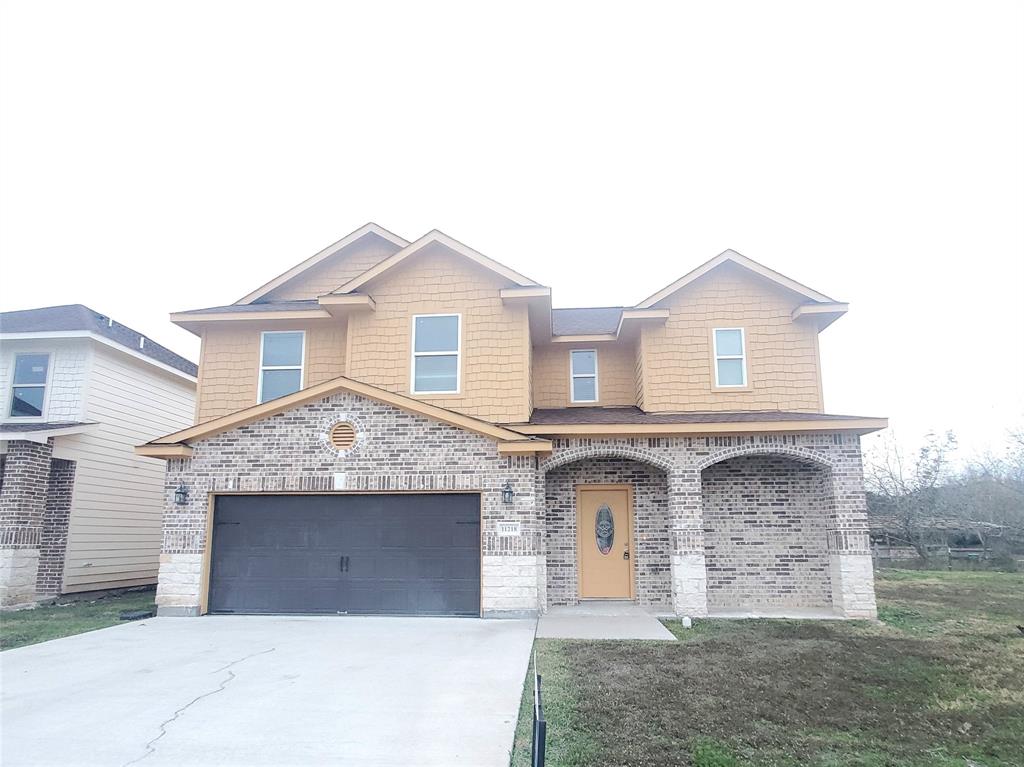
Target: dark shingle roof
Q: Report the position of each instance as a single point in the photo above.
(26, 428)
(580, 322)
(78, 317)
(634, 415)
(267, 306)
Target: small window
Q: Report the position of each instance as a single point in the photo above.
(281, 364)
(435, 353)
(583, 363)
(730, 357)
(29, 388)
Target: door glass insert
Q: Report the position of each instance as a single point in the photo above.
(604, 528)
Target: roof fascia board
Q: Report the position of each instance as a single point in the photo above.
(740, 260)
(59, 334)
(825, 314)
(327, 252)
(584, 338)
(524, 294)
(43, 435)
(353, 301)
(859, 425)
(641, 315)
(451, 244)
(325, 389)
(164, 451)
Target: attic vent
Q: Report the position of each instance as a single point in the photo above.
(343, 436)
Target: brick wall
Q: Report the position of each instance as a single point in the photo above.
(395, 451)
(650, 535)
(764, 533)
(22, 508)
(54, 542)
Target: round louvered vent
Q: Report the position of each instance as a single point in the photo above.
(343, 436)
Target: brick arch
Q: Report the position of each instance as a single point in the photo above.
(801, 454)
(653, 458)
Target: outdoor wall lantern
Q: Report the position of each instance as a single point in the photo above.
(181, 495)
(507, 493)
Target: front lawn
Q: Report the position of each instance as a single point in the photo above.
(68, 617)
(939, 683)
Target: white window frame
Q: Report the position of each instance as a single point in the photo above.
(413, 354)
(301, 366)
(742, 357)
(573, 375)
(44, 386)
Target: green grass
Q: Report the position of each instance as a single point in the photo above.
(67, 617)
(940, 682)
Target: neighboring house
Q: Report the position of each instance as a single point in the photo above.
(79, 510)
(410, 428)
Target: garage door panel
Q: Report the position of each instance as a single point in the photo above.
(405, 554)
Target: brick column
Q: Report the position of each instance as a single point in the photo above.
(689, 570)
(22, 510)
(852, 571)
(54, 543)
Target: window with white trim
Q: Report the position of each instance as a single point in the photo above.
(730, 357)
(28, 391)
(281, 355)
(436, 348)
(583, 372)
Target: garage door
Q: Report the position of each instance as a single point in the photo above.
(355, 554)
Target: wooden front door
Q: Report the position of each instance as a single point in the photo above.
(604, 537)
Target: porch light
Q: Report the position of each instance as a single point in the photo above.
(181, 495)
(507, 493)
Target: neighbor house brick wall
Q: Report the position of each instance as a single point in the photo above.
(649, 537)
(764, 533)
(495, 361)
(782, 355)
(22, 510)
(54, 542)
(395, 451)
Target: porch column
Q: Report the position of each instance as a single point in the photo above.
(853, 577)
(689, 571)
(26, 481)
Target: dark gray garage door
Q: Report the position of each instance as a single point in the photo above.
(357, 554)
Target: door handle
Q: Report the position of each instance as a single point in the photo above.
(625, 555)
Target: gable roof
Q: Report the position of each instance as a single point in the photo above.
(739, 259)
(77, 319)
(366, 229)
(429, 238)
(175, 445)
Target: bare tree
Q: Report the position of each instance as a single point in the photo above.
(911, 491)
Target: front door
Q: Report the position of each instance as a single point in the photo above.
(604, 541)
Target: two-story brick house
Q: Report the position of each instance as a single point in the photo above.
(79, 510)
(410, 428)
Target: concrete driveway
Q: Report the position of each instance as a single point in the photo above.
(268, 691)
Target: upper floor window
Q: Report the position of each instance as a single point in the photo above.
(29, 388)
(730, 357)
(281, 355)
(583, 372)
(436, 347)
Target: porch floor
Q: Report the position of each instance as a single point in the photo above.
(604, 620)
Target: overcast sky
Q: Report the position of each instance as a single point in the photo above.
(159, 157)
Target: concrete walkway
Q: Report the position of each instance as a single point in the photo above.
(603, 620)
(268, 691)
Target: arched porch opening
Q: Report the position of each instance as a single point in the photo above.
(767, 516)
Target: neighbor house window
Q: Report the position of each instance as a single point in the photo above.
(730, 357)
(583, 371)
(281, 354)
(29, 389)
(435, 353)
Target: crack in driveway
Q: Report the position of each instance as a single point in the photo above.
(151, 745)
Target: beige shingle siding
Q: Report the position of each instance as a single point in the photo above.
(495, 337)
(333, 272)
(782, 360)
(615, 367)
(230, 358)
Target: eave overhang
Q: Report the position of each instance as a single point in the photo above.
(339, 306)
(853, 425)
(822, 315)
(195, 322)
(177, 445)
